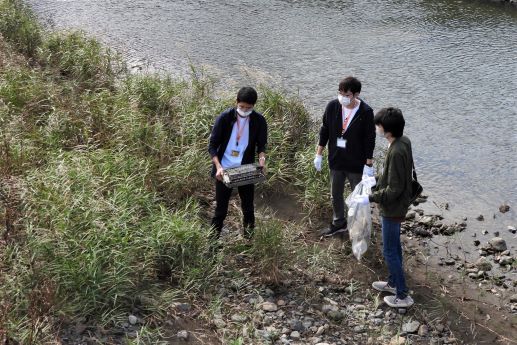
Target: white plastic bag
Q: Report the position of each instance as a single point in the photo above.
(359, 217)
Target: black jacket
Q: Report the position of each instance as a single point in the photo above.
(222, 131)
(360, 137)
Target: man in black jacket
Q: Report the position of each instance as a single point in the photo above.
(239, 133)
(349, 130)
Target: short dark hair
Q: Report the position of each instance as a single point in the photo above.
(247, 94)
(392, 120)
(350, 84)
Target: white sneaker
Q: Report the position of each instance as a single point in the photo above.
(384, 287)
(395, 302)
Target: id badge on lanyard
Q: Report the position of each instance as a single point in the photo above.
(341, 143)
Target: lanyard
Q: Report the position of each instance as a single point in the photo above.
(240, 130)
(345, 123)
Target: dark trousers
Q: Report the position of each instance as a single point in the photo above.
(222, 198)
(337, 188)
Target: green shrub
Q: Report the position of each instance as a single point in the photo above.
(82, 59)
(19, 26)
(271, 249)
(101, 237)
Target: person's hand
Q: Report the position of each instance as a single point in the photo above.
(262, 164)
(219, 173)
(368, 171)
(362, 200)
(317, 162)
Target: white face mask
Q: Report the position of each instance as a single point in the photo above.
(244, 113)
(379, 131)
(343, 100)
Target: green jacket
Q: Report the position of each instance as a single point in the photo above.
(393, 189)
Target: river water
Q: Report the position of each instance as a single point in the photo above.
(451, 66)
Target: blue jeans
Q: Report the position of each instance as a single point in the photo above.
(392, 251)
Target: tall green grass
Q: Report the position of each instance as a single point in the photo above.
(105, 178)
(19, 26)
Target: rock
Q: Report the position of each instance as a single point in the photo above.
(297, 325)
(426, 220)
(504, 208)
(294, 335)
(219, 323)
(359, 329)
(321, 330)
(269, 306)
(397, 340)
(480, 218)
(513, 298)
(505, 260)
(423, 331)
(280, 302)
(322, 344)
(422, 232)
(411, 327)
(335, 315)
(410, 215)
(484, 232)
(473, 275)
(512, 229)
(439, 328)
(261, 333)
(132, 319)
(239, 318)
(329, 307)
(496, 233)
(498, 244)
(182, 335)
(183, 307)
(450, 261)
(477, 243)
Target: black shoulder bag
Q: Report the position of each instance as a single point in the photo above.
(416, 187)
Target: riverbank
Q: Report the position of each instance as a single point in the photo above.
(105, 202)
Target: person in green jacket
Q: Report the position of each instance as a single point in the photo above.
(392, 193)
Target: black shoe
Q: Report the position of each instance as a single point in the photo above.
(332, 230)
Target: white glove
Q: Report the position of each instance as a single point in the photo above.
(362, 200)
(317, 162)
(368, 171)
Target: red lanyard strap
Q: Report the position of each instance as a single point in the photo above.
(347, 118)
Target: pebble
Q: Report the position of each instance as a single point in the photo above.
(480, 218)
(182, 335)
(321, 330)
(411, 327)
(359, 329)
(483, 264)
(132, 319)
(423, 330)
(397, 340)
(239, 318)
(294, 335)
(512, 229)
(498, 244)
(219, 323)
(513, 298)
(505, 260)
(297, 325)
(269, 306)
(504, 208)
